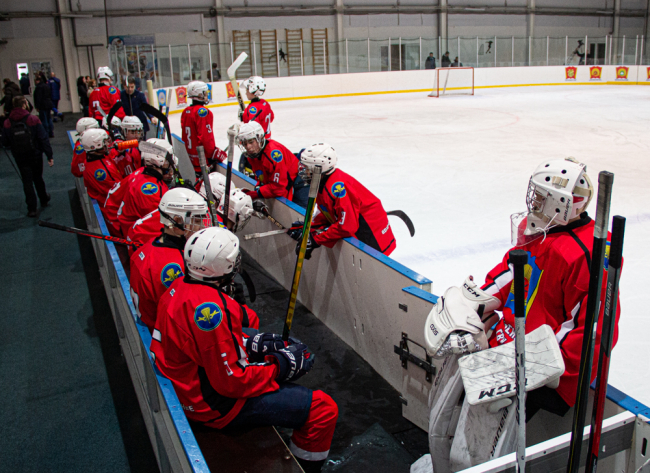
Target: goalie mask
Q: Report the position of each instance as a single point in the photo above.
(558, 192)
(187, 206)
(212, 254)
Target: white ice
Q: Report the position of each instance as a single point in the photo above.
(459, 166)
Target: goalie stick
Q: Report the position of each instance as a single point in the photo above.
(232, 70)
(519, 259)
(81, 232)
(404, 218)
(306, 227)
(605, 181)
(606, 340)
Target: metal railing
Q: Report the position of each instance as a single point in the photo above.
(170, 65)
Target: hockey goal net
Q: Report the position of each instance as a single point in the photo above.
(453, 81)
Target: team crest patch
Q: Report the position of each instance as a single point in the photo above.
(100, 175)
(259, 175)
(203, 112)
(276, 155)
(169, 273)
(338, 190)
(208, 316)
(112, 90)
(252, 110)
(149, 188)
(78, 149)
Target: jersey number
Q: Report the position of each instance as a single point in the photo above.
(342, 221)
(96, 105)
(276, 177)
(268, 124)
(188, 133)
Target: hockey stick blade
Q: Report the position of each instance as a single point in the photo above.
(405, 218)
(112, 112)
(252, 236)
(79, 231)
(235, 65)
(151, 110)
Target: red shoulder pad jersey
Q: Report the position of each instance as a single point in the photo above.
(128, 160)
(196, 122)
(78, 160)
(145, 229)
(154, 267)
(115, 198)
(348, 209)
(198, 345)
(142, 197)
(100, 175)
(260, 111)
(275, 169)
(557, 282)
(103, 98)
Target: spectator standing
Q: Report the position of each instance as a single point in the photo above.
(132, 99)
(430, 63)
(445, 61)
(55, 92)
(216, 75)
(25, 135)
(82, 91)
(456, 63)
(24, 84)
(43, 103)
(10, 90)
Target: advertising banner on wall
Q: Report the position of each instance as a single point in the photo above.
(648, 74)
(230, 92)
(621, 72)
(595, 73)
(571, 73)
(181, 96)
(162, 98)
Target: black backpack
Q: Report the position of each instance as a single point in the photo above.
(22, 141)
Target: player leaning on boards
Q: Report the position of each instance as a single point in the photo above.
(220, 379)
(78, 153)
(104, 96)
(557, 234)
(196, 123)
(347, 208)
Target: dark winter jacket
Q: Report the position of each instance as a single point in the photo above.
(55, 88)
(10, 91)
(445, 61)
(43, 97)
(25, 85)
(131, 105)
(36, 127)
(430, 63)
(82, 90)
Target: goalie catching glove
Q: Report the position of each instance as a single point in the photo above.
(455, 324)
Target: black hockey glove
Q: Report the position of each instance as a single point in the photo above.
(294, 362)
(263, 344)
(295, 231)
(241, 115)
(311, 246)
(260, 206)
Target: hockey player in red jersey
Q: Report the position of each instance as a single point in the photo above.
(159, 262)
(129, 160)
(222, 381)
(258, 109)
(196, 123)
(145, 229)
(274, 166)
(147, 188)
(114, 202)
(104, 96)
(347, 208)
(78, 154)
(100, 173)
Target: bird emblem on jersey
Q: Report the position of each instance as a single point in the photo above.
(276, 155)
(260, 176)
(112, 90)
(100, 175)
(208, 316)
(78, 149)
(338, 190)
(203, 112)
(252, 110)
(169, 273)
(149, 188)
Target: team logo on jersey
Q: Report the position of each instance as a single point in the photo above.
(112, 90)
(149, 188)
(100, 175)
(338, 190)
(276, 155)
(252, 110)
(203, 112)
(78, 149)
(208, 316)
(169, 274)
(259, 175)
(532, 277)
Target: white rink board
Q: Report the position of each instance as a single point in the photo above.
(459, 166)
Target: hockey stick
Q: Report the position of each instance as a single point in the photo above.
(405, 218)
(232, 132)
(81, 232)
(606, 339)
(605, 181)
(252, 236)
(232, 70)
(212, 205)
(518, 259)
(266, 213)
(111, 113)
(306, 227)
(160, 124)
(167, 107)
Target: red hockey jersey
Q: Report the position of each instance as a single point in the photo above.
(142, 197)
(100, 175)
(115, 199)
(103, 98)
(154, 267)
(145, 229)
(128, 161)
(198, 344)
(275, 169)
(78, 160)
(557, 282)
(196, 122)
(348, 209)
(259, 111)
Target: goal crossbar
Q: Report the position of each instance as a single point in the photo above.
(453, 81)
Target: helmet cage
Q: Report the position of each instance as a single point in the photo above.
(192, 222)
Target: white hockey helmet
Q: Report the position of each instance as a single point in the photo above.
(154, 152)
(115, 123)
(218, 185)
(558, 192)
(85, 123)
(132, 128)
(318, 154)
(187, 204)
(255, 85)
(240, 208)
(212, 253)
(198, 90)
(104, 72)
(95, 139)
(249, 131)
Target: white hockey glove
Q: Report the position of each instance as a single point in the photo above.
(234, 130)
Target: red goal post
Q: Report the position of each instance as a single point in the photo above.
(453, 81)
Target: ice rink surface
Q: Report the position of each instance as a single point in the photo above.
(459, 166)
